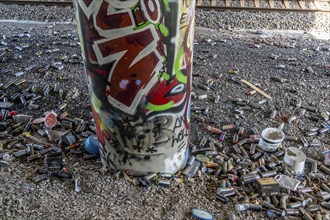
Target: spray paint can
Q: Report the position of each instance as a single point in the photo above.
(326, 154)
(77, 184)
(138, 63)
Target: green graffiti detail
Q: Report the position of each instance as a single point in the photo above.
(164, 30)
(95, 102)
(164, 75)
(178, 74)
(142, 25)
(177, 66)
(167, 5)
(159, 107)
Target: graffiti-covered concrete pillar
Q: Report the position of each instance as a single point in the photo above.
(138, 63)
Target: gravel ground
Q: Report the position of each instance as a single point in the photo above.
(279, 4)
(40, 12)
(284, 21)
(114, 197)
(219, 2)
(309, 4)
(210, 19)
(235, 3)
(294, 4)
(264, 4)
(206, 3)
(249, 4)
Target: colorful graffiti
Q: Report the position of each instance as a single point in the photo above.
(138, 62)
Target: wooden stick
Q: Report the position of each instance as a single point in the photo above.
(257, 3)
(286, 3)
(311, 5)
(318, 5)
(302, 4)
(213, 2)
(256, 88)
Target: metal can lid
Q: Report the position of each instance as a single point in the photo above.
(203, 158)
(201, 214)
(50, 120)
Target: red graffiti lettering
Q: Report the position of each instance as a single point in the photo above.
(134, 53)
(151, 10)
(107, 21)
(131, 53)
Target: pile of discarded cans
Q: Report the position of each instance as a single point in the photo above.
(256, 171)
(44, 140)
(260, 178)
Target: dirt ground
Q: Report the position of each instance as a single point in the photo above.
(113, 196)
